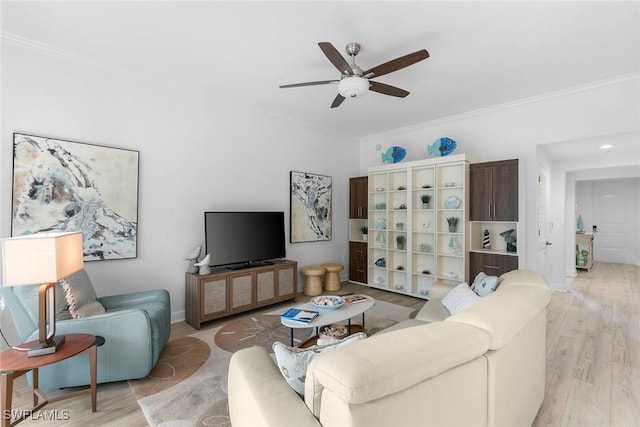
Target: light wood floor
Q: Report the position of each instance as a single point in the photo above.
(593, 358)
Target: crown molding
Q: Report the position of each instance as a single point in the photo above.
(45, 48)
(508, 105)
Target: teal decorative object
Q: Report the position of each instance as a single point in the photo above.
(394, 154)
(442, 147)
(580, 224)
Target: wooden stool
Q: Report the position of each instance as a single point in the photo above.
(331, 279)
(312, 282)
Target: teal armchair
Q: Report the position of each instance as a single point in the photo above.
(135, 328)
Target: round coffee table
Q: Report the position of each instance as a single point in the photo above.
(328, 317)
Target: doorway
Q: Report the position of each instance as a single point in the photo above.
(613, 208)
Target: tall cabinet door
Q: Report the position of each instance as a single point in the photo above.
(505, 191)
(358, 262)
(358, 197)
(481, 197)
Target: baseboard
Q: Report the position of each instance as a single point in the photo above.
(178, 316)
(559, 287)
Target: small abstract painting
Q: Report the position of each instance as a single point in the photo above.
(310, 207)
(71, 186)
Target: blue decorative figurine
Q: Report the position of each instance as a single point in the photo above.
(394, 154)
(442, 147)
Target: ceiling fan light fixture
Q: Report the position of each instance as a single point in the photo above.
(353, 87)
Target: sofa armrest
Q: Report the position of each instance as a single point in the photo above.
(121, 329)
(433, 311)
(259, 395)
(134, 299)
(125, 354)
(388, 363)
(440, 289)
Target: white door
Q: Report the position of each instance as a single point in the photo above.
(542, 213)
(616, 216)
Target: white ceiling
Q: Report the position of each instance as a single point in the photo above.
(482, 53)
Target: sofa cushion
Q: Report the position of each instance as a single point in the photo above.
(293, 361)
(81, 296)
(483, 285)
(459, 298)
(375, 368)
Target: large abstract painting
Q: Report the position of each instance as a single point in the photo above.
(70, 186)
(310, 207)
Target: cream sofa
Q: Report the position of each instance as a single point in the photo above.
(484, 366)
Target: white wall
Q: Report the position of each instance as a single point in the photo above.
(514, 131)
(197, 152)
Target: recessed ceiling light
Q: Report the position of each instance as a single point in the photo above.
(606, 147)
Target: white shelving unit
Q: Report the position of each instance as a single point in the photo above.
(431, 252)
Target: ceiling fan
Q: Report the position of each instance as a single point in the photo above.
(353, 81)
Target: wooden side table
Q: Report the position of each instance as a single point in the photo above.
(15, 363)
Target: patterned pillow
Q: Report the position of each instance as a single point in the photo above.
(483, 285)
(80, 296)
(293, 361)
(459, 298)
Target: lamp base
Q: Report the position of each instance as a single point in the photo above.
(38, 350)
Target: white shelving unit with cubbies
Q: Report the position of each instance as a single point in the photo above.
(410, 246)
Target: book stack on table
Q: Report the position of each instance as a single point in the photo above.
(300, 315)
(354, 299)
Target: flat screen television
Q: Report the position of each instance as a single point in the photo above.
(244, 239)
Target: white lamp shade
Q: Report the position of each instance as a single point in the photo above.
(353, 87)
(40, 258)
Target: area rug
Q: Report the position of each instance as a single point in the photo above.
(188, 385)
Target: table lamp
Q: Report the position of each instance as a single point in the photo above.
(42, 258)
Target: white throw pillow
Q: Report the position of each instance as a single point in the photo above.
(459, 298)
(293, 361)
(483, 285)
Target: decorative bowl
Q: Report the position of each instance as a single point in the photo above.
(327, 302)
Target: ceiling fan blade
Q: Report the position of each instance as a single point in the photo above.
(336, 59)
(337, 101)
(387, 89)
(320, 82)
(396, 64)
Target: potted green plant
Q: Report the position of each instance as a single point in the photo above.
(453, 223)
(400, 241)
(365, 232)
(426, 198)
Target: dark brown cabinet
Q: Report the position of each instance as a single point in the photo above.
(491, 264)
(358, 188)
(494, 191)
(358, 262)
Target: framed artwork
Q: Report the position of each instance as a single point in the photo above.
(310, 207)
(71, 186)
